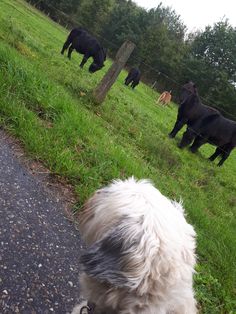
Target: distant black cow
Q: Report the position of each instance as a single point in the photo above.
(219, 131)
(84, 43)
(133, 77)
(191, 112)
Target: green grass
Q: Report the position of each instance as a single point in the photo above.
(41, 103)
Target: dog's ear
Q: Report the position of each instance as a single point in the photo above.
(108, 260)
(124, 256)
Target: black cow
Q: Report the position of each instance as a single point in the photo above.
(191, 112)
(84, 43)
(219, 131)
(133, 77)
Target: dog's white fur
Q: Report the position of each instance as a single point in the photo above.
(140, 257)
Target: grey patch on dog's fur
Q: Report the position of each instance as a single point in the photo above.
(104, 260)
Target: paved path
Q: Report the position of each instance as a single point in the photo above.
(39, 247)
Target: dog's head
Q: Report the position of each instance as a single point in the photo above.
(138, 241)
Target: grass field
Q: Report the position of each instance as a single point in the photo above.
(45, 101)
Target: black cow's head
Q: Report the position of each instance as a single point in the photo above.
(187, 89)
(98, 61)
(95, 67)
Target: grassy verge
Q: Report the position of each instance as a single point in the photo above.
(45, 101)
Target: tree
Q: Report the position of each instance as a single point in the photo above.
(123, 23)
(211, 64)
(93, 14)
(216, 45)
(162, 44)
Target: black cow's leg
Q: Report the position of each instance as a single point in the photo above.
(178, 126)
(225, 155)
(71, 48)
(133, 84)
(65, 46)
(127, 81)
(187, 138)
(198, 142)
(217, 152)
(84, 60)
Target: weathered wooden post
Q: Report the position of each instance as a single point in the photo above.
(122, 55)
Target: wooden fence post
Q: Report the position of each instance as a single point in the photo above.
(100, 92)
(153, 85)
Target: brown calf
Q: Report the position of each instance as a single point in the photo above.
(164, 98)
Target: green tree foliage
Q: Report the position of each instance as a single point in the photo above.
(67, 6)
(162, 44)
(216, 45)
(93, 14)
(124, 23)
(211, 58)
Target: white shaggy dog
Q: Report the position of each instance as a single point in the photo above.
(140, 252)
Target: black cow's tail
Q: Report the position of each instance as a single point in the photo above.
(74, 33)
